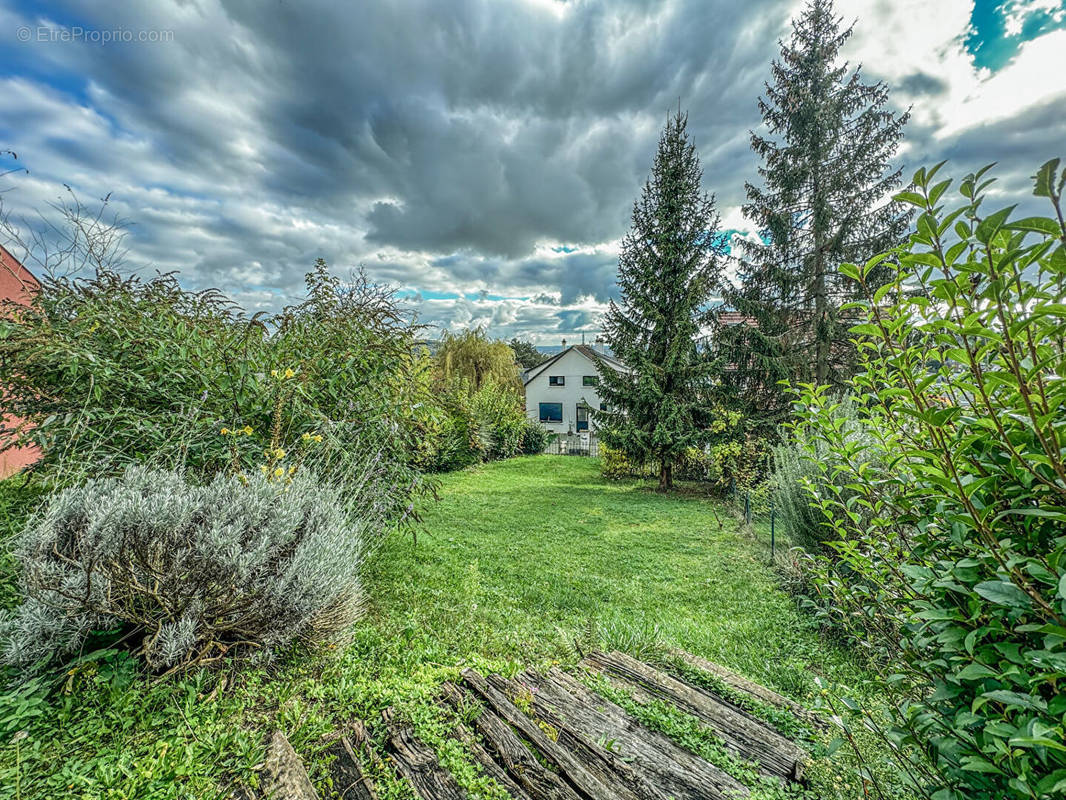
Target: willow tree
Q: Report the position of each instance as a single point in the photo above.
(470, 359)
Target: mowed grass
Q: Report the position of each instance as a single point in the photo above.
(520, 563)
(520, 556)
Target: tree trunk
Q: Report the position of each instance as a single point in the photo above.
(666, 475)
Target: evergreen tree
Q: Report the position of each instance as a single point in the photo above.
(526, 353)
(826, 179)
(668, 270)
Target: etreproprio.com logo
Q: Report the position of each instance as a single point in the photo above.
(78, 34)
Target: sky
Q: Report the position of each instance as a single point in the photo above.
(481, 156)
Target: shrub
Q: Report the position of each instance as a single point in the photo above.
(112, 370)
(535, 437)
(615, 464)
(804, 463)
(498, 413)
(242, 564)
(951, 519)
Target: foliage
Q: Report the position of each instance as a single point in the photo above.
(460, 428)
(668, 269)
(615, 464)
(468, 360)
(240, 564)
(535, 438)
(804, 463)
(950, 521)
(826, 169)
(526, 354)
(112, 370)
(734, 459)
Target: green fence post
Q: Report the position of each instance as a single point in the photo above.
(773, 515)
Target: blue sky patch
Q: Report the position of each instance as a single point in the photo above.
(998, 29)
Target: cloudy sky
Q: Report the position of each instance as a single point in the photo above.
(481, 155)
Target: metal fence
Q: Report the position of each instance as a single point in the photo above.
(574, 444)
(757, 511)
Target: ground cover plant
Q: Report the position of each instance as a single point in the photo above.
(522, 562)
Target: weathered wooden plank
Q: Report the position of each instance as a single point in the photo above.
(286, 778)
(418, 763)
(656, 765)
(514, 754)
(748, 738)
(739, 682)
(578, 778)
(346, 770)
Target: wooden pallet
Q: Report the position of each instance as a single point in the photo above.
(549, 737)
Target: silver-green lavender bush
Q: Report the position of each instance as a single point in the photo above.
(241, 565)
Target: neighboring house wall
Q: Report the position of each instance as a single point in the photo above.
(19, 286)
(572, 365)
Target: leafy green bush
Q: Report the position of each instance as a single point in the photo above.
(951, 517)
(113, 370)
(243, 564)
(615, 464)
(535, 437)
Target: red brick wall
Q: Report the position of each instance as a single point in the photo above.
(17, 284)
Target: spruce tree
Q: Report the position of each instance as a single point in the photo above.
(826, 178)
(668, 271)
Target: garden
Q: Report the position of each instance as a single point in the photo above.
(295, 520)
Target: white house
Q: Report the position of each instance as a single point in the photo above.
(560, 392)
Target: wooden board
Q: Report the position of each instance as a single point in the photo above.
(575, 774)
(418, 763)
(739, 682)
(346, 770)
(748, 738)
(286, 777)
(651, 763)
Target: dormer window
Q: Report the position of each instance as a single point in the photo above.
(557, 380)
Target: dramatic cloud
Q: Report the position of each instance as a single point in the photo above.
(482, 155)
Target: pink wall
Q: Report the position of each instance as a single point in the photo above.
(16, 283)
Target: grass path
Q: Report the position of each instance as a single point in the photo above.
(518, 560)
(517, 552)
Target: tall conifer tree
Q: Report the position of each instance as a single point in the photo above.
(826, 175)
(668, 271)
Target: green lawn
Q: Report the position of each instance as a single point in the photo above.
(518, 561)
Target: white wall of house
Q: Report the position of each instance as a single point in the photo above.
(572, 366)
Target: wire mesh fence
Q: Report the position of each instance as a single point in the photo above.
(756, 510)
(574, 444)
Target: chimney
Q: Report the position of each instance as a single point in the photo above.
(582, 337)
(601, 344)
(564, 344)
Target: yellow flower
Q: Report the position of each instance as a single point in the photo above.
(289, 373)
(279, 472)
(292, 469)
(224, 432)
(263, 468)
(279, 453)
(273, 373)
(247, 430)
(306, 437)
(318, 437)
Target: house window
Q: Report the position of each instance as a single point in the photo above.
(551, 412)
(582, 417)
(557, 380)
(590, 380)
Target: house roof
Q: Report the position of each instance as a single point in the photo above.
(16, 282)
(588, 352)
